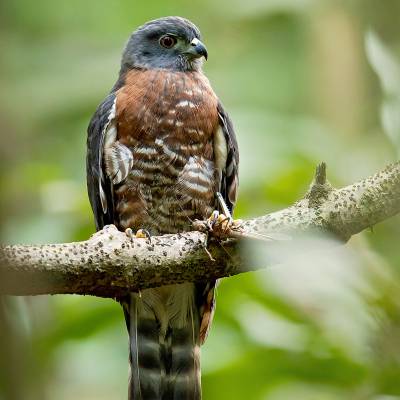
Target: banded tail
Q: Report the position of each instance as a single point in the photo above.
(164, 335)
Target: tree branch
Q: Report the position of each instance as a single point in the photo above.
(110, 264)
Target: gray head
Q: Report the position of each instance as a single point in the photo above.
(166, 43)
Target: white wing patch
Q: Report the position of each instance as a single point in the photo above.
(220, 150)
(111, 117)
(118, 160)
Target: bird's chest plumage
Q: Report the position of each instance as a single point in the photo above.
(168, 121)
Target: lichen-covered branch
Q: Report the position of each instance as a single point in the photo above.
(110, 264)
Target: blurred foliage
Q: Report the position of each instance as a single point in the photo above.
(304, 81)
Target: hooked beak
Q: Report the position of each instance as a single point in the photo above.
(197, 49)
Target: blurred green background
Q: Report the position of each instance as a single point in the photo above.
(304, 81)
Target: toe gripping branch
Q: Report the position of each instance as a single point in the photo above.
(219, 224)
(223, 226)
(140, 234)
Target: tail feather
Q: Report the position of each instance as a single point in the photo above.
(164, 344)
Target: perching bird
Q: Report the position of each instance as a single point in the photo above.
(160, 146)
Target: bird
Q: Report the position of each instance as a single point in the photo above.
(159, 148)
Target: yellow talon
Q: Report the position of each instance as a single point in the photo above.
(217, 221)
(142, 234)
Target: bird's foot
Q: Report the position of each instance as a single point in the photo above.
(140, 234)
(223, 223)
(217, 221)
(220, 224)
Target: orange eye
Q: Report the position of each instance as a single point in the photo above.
(167, 41)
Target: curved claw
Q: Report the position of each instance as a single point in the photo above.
(212, 219)
(218, 221)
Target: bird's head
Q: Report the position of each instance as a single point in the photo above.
(165, 43)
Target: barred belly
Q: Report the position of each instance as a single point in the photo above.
(165, 194)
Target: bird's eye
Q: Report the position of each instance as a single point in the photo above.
(167, 41)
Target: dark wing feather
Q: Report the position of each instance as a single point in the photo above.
(98, 184)
(230, 176)
(228, 188)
